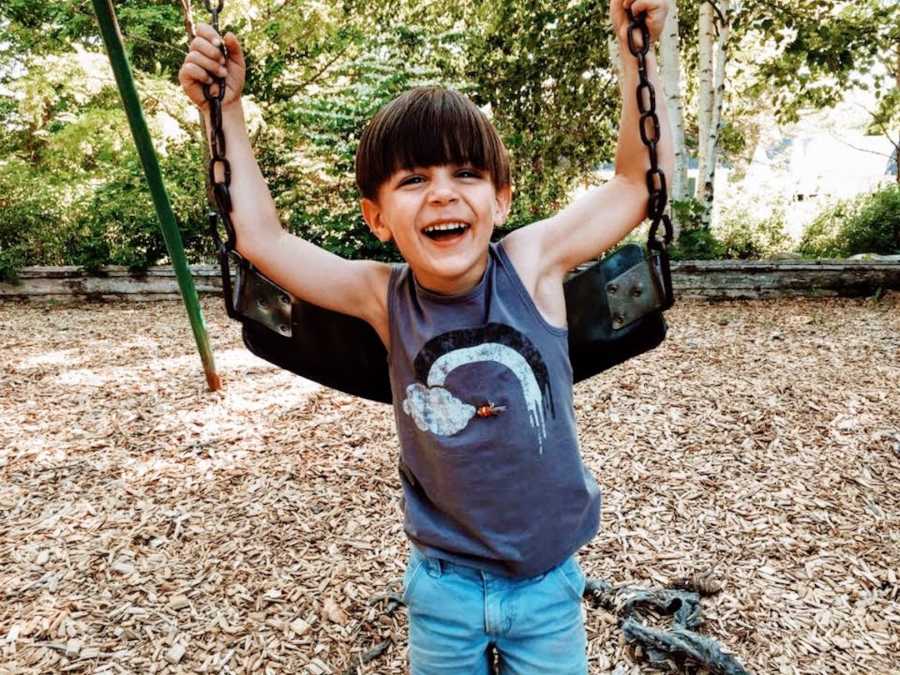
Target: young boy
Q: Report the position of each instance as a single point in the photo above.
(496, 499)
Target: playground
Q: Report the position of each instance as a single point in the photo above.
(148, 525)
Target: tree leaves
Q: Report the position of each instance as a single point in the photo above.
(319, 71)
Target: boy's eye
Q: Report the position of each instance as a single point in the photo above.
(462, 173)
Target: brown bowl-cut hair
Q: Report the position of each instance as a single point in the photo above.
(428, 126)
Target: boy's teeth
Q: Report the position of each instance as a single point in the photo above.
(444, 226)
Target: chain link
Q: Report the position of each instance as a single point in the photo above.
(650, 134)
(219, 171)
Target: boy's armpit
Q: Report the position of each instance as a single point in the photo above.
(377, 314)
(543, 283)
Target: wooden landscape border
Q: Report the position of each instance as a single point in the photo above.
(710, 279)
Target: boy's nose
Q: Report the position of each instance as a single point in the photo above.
(442, 191)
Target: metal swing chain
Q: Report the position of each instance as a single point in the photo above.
(249, 295)
(219, 179)
(646, 101)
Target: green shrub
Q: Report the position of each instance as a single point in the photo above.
(12, 260)
(866, 224)
(749, 240)
(695, 242)
(28, 206)
(82, 219)
(746, 237)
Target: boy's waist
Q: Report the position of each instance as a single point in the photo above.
(438, 564)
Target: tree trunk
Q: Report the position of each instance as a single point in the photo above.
(705, 98)
(670, 66)
(713, 36)
(723, 23)
(187, 18)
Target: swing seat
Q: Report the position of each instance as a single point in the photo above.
(614, 308)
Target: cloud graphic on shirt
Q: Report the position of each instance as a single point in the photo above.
(436, 410)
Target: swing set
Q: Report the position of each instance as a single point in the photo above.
(614, 310)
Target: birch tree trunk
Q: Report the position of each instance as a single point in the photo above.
(715, 26)
(723, 23)
(705, 98)
(897, 144)
(670, 67)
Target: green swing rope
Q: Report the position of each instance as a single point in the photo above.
(112, 38)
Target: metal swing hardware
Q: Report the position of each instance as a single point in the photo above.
(614, 308)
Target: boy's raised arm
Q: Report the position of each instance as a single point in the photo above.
(357, 288)
(302, 268)
(603, 216)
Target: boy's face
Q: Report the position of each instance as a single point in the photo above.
(441, 218)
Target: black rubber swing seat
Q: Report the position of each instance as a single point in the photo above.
(614, 309)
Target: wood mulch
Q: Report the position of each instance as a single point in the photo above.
(148, 525)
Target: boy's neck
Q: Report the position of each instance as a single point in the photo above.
(450, 286)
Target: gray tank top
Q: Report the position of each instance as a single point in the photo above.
(482, 388)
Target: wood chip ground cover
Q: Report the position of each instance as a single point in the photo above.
(150, 526)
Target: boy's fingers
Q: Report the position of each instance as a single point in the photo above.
(206, 48)
(637, 7)
(212, 66)
(234, 48)
(191, 72)
(207, 32)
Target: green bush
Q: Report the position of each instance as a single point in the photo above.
(737, 237)
(12, 259)
(119, 226)
(867, 224)
(744, 236)
(695, 242)
(83, 219)
(29, 206)
(743, 239)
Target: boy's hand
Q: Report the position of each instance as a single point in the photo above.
(205, 61)
(656, 16)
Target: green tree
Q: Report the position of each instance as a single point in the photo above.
(544, 69)
(316, 74)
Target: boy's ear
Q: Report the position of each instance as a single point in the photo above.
(503, 204)
(371, 213)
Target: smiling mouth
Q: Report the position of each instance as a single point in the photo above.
(445, 230)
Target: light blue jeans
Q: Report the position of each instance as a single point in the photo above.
(456, 613)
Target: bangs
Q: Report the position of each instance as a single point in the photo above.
(428, 126)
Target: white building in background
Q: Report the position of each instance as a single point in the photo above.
(813, 168)
(803, 167)
(825, 157)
